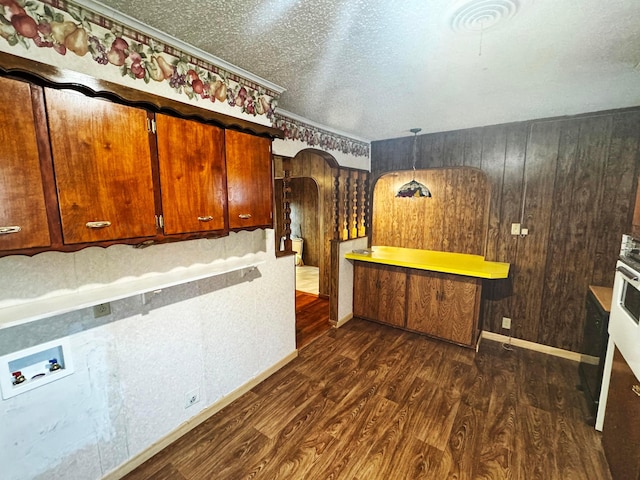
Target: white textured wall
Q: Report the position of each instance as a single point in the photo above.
(345, 277)
(134, 366)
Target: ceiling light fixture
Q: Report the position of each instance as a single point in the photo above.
(413, 188)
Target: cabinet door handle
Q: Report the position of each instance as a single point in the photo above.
(10, 229)
(245, 216)
(101, 224)
(208, 218)
(636, 389)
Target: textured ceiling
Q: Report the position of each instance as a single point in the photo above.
(376, 68)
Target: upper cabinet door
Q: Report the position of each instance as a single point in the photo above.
(23, 216)
(192, 175)
(102, 163)
(249, 180)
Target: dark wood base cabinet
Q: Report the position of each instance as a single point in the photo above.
(379, 293)
(621, 430)
(444, 305)
(440, 305)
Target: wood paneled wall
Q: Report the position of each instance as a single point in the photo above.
(304, 218)
(572, 182)
(454, 219)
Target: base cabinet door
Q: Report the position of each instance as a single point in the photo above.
(621, 429)
(379, 293)
(444, 305)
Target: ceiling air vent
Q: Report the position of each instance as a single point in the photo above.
(476, 16)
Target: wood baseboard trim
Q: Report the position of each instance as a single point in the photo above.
(194, 421)
(538, 347)
(342, 321)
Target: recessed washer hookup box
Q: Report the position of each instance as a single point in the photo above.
(35, 367)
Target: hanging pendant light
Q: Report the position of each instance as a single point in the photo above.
(414, 188)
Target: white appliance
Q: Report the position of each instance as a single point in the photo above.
(624, 319)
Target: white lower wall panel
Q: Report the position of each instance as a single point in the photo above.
(133, 367)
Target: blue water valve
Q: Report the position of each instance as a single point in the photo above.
(54, 365)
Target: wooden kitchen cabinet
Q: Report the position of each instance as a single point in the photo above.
(441, 305)
(621, 429)
(80, 169)
(192, 175)
(444, 305)
(23, 213)
(379, 293)
(102, 161)
(249, 180)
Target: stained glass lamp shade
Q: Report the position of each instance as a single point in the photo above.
(414, 188)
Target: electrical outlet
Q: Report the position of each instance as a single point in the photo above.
(192, 397)
(506, 323)
(102, 310)
(515, 229)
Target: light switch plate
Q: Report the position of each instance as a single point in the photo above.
(515, 229)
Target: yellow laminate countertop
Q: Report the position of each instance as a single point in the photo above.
(445, 262)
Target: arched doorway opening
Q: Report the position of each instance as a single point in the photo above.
(305, 232)
(311, 204)
(341, 212)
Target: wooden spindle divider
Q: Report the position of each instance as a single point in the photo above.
(336, 204)
(353, 231)
(286, 202)
(345, 211)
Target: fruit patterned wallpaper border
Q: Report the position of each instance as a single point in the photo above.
(316, 137)
(71, 30)
(75, 33)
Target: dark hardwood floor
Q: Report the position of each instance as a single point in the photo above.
(368, 402)
(312, 318)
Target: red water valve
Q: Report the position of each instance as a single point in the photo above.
(19, 378)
